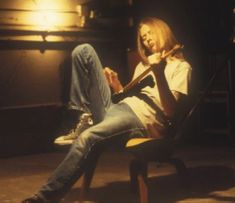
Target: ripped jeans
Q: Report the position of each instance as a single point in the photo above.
(114, 123)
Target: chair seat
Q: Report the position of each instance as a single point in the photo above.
(137, 141)
(150, 149)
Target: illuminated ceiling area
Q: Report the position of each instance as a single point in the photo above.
(61, 20)
(50, 14)
(46, 19)
(38, 14)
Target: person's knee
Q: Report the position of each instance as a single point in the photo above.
(80, 49)
(86, 140)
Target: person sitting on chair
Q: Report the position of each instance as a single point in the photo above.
(103, 122)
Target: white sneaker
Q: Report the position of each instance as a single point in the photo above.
(85, 122)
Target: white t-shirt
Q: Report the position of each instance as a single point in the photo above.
(178, 76)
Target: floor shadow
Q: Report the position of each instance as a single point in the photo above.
(205, 182)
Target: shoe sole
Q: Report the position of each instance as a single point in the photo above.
(64, 142)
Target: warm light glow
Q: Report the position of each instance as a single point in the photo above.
(45, 20)
(46, 16)
(51, 15)
(48, 4)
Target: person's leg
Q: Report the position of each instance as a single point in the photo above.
(89, 91)
(119, 124)
(89, 94)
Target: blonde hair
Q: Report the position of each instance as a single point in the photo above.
(163, 34)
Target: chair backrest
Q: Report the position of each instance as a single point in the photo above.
(196, 104)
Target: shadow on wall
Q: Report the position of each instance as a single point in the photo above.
(65, 78)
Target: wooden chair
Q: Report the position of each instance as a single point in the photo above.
(148, 150)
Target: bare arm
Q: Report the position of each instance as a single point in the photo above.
(168, 98)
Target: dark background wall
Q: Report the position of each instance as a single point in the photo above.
(34, 74)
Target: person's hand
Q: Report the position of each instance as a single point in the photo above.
(112, 79)
(154, 58)
(158, 61)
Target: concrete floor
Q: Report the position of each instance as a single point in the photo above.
(211, 174)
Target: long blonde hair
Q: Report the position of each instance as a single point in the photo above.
(163, 32)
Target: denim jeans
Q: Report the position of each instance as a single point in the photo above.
(114, 123)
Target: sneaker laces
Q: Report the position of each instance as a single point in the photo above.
(85, 121)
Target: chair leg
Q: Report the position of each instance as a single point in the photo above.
(133, 176)
(181, 170)
(138, 174)
(143, 189)
(87, 178)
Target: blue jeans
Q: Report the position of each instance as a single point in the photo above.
(114, 123)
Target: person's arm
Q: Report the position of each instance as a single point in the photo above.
(112, 79)
(168, 98)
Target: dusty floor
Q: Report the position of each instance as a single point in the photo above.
(211, 176)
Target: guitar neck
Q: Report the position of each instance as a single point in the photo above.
(136, 80)
(142, 75)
